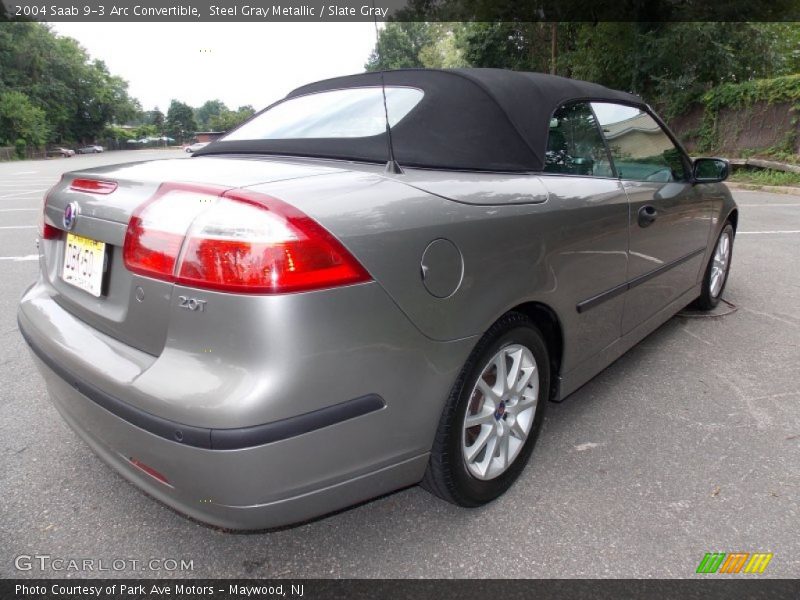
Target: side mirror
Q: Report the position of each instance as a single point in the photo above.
(710, 170)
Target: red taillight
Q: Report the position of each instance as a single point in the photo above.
(158, 227)
(93, 186)
(234, 241)
(47, 231)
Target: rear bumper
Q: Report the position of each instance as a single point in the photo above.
(234, 438)
(204, 483)
(257, 474)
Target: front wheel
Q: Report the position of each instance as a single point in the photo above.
(716, 275)
(491, 420)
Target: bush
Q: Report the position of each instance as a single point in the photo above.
(21, 147)
(21, 121)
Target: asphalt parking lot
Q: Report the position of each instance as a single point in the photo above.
(688, 444)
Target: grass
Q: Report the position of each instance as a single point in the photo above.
(765, 177)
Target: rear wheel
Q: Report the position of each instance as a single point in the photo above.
(716, 275)
(491, 420)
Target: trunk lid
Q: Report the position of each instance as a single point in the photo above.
(131, 308)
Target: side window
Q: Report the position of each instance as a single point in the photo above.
(575, 145)
(641, 149)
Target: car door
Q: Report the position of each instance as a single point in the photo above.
(669, 220)
(589, 248)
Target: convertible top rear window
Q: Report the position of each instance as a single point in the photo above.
(343, 113)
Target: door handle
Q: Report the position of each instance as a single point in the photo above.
(647, 214)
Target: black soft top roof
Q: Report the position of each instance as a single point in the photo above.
(472, 119)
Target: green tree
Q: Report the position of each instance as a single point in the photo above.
(516, 46)
(669, 64)
(411, 45)
(786, 41)
(21, 123)
(443, 51)
(180, 121)
(157, 119)
(209, 109)
(147, 131)
(118, 133)
(672, 64)
(103, 99)
(399, 46)
(79, 96)
(229, 119)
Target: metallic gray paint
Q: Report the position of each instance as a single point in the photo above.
(553, 240)
(681, 227)
(256, 488)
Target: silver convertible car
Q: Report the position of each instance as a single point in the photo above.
(378, 281)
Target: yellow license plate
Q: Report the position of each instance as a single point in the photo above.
(83, 263)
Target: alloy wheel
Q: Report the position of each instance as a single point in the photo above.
(720, 263)
(500, 413)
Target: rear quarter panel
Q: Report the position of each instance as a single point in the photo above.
(546, 250)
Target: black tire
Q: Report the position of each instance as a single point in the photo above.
(447, 475)
(708, 300)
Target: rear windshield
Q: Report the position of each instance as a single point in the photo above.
(345, 113)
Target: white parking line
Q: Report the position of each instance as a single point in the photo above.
(767, 205)
(19, 210)
(743, 191)
(19, 227)
(12, 188)
(15, 194)
(20, 258)
(768, 232)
